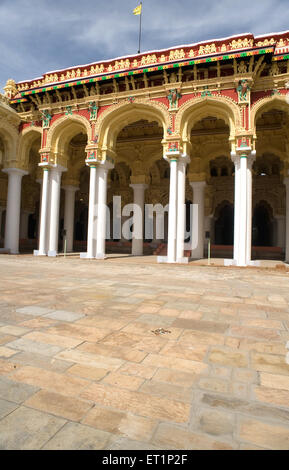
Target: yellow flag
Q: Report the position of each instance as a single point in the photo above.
(137, 10)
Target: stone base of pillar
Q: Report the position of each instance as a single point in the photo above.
(233, 262)
(37, 253)
(183, 260)
(5, 251)
(52, 253)
(84, 255)
(100, 256)
(164, 259)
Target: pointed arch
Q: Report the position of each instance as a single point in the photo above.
(198, 108)
(26, 140)
(116, 117)
(9, 136)
(63, 129)
(265, 104)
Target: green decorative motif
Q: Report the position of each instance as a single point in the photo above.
(173, 96)
(93, 110)
(46, 118)
(243, 90)
(206, 92)
(275, 92)
(68, 111)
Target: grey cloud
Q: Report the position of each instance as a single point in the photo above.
(37, 36)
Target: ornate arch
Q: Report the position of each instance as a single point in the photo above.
(10, 136)
(117, 116)
(267, 202)
(196, 109)
(264, 148)
(58, 128)
(155, 174)
(220, 205)
(27, 137)
(265, 104)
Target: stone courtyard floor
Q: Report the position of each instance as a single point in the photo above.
(128, 354)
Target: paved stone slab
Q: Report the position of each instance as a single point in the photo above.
(14, 330)
(27, 429)
(61, 383)
(67, 407)
(6, 407)
(39, 360)
(14, 391)
(62, 315)
(28, 345)
(34, 310)
(122, 423)
(74, 436)
(171, 437)
(138, 403)
(123, 443)
(7, 352)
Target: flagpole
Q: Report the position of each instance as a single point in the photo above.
(139, 29)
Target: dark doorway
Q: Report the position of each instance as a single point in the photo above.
(224, 225)
(32, 226)
(262, 226)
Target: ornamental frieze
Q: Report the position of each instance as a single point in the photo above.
(224, 46)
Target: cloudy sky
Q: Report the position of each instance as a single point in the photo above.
(37, 36)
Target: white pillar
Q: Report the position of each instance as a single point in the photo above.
(138, 217)
(13, 209)
(181, 209)
(69, 207)
(243, 208)
(39, 181)
(43, 219)
(199, 199)
(237, 190)
(91, 230)
(286, 182)
(243, 215)
(24, 219)
(281, 230)
(55, 185)
(102, 172)
(2, 209)
(172, 223)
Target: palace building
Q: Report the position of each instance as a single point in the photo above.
(203, 124)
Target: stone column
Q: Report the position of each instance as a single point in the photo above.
(181, 209)
(286, 182)
(44, 210)
(13, 209)
(243, 208)
(55, 185)
(172, 223)
(91, 230)
(138, 217)
(237, 190)
(198, 199)
(69, 207)
(281, 230)
(2, 209)
(102, 171)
